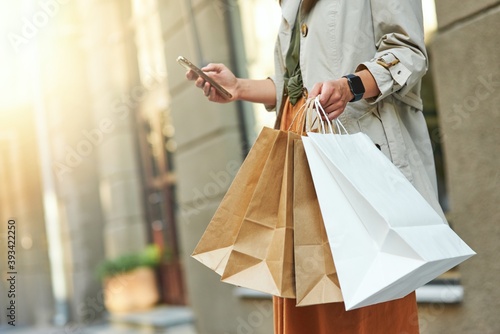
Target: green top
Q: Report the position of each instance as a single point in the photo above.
(293, 76)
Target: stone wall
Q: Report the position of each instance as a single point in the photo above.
(209, 152)
(466, 68)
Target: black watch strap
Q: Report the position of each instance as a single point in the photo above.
(356, 86)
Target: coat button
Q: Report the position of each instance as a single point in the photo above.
(305, 29)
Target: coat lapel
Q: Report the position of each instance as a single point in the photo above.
(289, 9)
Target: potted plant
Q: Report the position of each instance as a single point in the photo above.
(130, 282)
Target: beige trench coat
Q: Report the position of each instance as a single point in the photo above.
(338, 37)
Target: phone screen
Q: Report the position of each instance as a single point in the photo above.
(190, 66)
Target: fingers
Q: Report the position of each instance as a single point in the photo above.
(213, 68)
(200, 82)
(190, 75)
(327, 97)
(334, 105)
(216, 68)
(335, 109)
(335, 114)
(331, 97)
(316, 90)
(220, 74)
(207, 88)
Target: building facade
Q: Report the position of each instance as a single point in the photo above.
(466, 71)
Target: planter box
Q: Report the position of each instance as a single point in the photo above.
(136, 290)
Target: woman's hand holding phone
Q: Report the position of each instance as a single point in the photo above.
(222, 76)
(220, 84)
(216, 80)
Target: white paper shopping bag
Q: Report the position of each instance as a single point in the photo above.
(386, 239)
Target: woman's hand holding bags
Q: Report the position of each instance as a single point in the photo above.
(386, 239)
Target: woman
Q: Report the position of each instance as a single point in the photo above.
(364, 59)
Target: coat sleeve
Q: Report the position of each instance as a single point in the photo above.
(401, 59)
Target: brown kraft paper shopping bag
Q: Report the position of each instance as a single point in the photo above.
(216, 244)
(316, 279)
(262, 256)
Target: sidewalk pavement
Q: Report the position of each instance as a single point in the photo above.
(159, 320)
(101, 329)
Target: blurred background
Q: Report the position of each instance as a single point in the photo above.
(111, 161)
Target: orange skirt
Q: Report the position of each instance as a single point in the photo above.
(394, 317)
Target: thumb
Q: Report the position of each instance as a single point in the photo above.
(213, 68)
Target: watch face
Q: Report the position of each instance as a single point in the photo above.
(357, 85)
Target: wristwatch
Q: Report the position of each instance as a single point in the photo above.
(356, 86)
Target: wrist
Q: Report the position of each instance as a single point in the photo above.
(356, 87)
(239, 89)
(347, 90)
(369, 82)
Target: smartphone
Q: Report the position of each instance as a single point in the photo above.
(190, 66)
